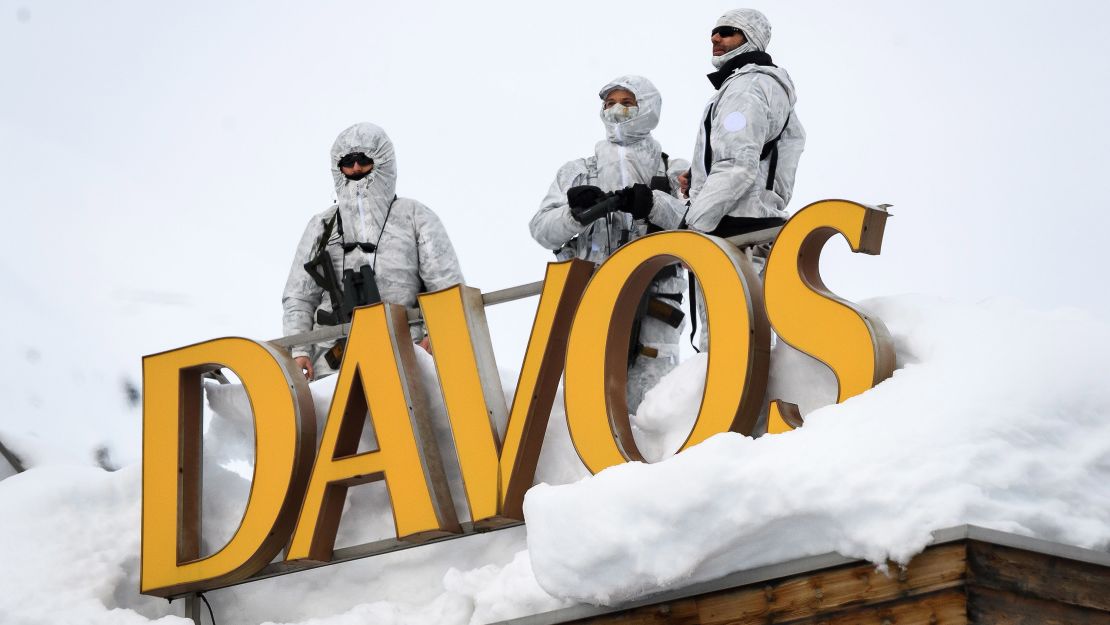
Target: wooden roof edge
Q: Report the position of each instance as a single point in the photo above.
(1018, 541)
(811, 564)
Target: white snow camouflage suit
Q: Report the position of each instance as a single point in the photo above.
(749, 110)
(413, 252)
(753, 105)
(628, 155)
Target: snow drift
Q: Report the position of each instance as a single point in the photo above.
(997, 416)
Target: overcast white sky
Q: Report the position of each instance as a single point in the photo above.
(158, 161)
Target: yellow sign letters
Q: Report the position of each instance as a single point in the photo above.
(582, 326)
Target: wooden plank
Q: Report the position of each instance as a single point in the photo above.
(1030, 574)
(1015, 580)
(683, 612)
(947, 607)
(944, 608)
(825, 594)
(987, 606)
(805, 596)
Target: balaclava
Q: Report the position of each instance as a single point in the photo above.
(363, 203)
(756, 28)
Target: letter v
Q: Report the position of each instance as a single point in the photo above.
(496, 475)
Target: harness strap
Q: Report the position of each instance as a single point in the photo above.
(693, 311)
(771, 148)
(708, 125)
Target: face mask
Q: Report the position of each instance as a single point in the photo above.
(353, 188)
(359, 176)
(619, 113)
(719, 61)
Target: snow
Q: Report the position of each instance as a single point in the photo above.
(996, 416)
(76, 410)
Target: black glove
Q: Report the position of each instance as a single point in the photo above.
(636, 200)
(584, 196)
(589, 203)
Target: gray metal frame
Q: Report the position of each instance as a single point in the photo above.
(12, 459)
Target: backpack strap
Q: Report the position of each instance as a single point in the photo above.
(591, 169)
(693, 309)
(708, 126)
(771, 149)
(322, 240)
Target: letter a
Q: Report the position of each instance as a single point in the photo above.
(378, 374)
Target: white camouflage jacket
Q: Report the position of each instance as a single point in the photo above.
(414, 253)
(629, 155)
(749, 110)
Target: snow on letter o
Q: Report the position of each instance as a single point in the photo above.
(735, 121)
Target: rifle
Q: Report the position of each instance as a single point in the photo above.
(358, 289)
(322, 273)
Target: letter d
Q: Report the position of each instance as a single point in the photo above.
(285, 433)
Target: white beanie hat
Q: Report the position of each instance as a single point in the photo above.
(757, 30)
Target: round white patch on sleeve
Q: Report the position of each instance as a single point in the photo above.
(735, 121)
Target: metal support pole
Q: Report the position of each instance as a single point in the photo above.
(510, 294)
(12, 459)
(192, 607)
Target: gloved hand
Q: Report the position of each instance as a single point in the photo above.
(636, 200)
(584, 196)
(585, 203)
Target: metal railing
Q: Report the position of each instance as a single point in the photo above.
(513, 293)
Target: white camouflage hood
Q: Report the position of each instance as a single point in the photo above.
(650, 105)
(756, 29)
(372, 141)
(630, 154)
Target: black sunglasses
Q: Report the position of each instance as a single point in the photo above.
(726, 31)
(369, 248)
(355, 158)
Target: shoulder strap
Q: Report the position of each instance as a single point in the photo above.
(322, 240)
(771, 149)
(708, 125)
(591, 169)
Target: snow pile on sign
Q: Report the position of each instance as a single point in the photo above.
(997, 416)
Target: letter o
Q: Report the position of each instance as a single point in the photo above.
(597, 350)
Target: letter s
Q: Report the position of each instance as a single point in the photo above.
(811, 318)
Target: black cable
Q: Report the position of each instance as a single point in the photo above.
(608, 234)
(374, 265)
(209, 605)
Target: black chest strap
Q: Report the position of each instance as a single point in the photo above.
(770, 149)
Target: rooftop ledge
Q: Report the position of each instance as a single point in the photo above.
(968, 574)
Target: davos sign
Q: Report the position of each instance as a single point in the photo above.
(581, 329)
